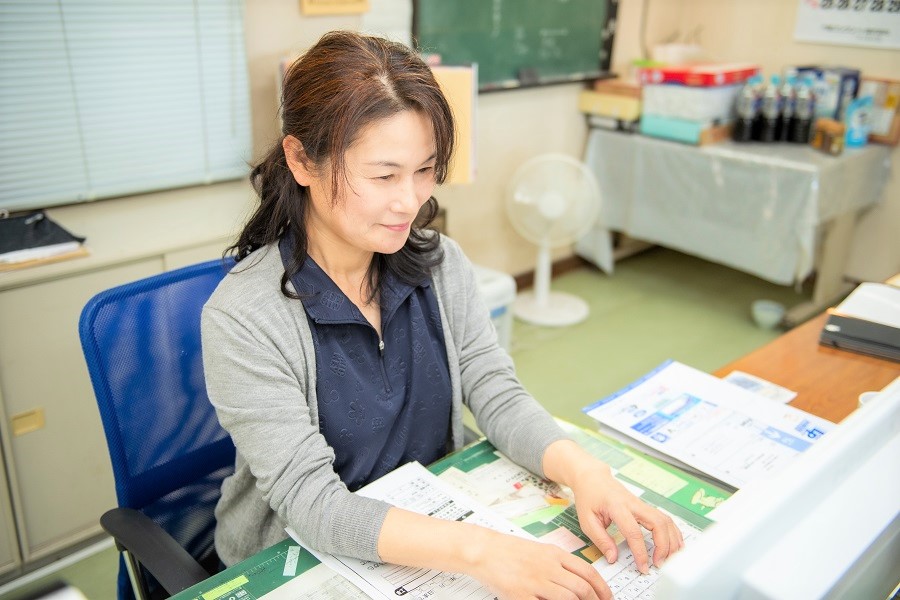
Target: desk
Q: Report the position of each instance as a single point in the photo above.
(828, 381)
(759, 208)
(500, 482)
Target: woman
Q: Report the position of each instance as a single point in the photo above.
(347, 339)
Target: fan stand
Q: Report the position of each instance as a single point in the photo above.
(543, 307)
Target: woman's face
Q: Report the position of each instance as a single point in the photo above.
(390, 175)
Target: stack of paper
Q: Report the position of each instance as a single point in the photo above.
(708, 425)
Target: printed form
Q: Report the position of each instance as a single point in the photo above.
(715, 427)
(415, 488)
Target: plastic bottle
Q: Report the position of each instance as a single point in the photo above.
(769, 112)
(788, 103)
(800, 125)
(746, 108)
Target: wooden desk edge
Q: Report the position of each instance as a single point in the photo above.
(828, 381)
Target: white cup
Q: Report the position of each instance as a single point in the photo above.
(866, 397)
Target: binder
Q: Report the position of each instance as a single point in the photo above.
(867, 322)
(35, 237)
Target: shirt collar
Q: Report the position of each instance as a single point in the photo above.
(324, 301)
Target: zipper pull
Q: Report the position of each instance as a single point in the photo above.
(381, 347)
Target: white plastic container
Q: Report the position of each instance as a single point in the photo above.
(498, 290)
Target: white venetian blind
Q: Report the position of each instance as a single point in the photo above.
(104, 98)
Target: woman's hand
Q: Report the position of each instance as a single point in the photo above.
(514, 567)
(601, 500)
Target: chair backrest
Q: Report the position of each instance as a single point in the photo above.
(169, 454)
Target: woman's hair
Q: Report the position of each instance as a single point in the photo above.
(341, 85)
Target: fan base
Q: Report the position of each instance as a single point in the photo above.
(559, 309)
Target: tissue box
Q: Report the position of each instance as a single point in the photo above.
(498, 290)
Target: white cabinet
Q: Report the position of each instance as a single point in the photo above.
(60, 472)
(9, 547)
(58, 478)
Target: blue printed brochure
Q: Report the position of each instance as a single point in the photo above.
(708, 425)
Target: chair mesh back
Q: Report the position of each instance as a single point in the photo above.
(169, 454)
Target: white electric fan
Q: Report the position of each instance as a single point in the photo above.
(552, 200)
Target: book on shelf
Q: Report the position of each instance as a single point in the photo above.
(867, 322)
(34, 238)
(699, 422)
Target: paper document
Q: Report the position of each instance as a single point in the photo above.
(319, 583)
(760, 386)
(875, 302)
(715, 427)
(414, 488)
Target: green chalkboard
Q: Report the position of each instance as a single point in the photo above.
(519, 43)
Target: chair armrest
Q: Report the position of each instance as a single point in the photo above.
(158, 552)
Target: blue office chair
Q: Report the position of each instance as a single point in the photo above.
(169, 454)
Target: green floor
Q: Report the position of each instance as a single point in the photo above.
(658, 305)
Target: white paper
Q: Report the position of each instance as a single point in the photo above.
(876, 302)
(40, 252)
(871, 23)
(760, 386)
(718, 428)
(414, 488)
(318, 583)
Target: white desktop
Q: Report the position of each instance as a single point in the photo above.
(827, 526)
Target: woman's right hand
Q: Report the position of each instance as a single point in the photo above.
(514, 568)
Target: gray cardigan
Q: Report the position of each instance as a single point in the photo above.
(260, 368)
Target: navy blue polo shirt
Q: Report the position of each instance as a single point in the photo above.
(380, 405)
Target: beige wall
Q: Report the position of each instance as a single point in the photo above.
(762, 31)
(514, 126)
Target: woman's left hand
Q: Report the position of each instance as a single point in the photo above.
(601, 500)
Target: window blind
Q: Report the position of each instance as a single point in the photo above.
(106, 98)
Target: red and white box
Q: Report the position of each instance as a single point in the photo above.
(701, 75)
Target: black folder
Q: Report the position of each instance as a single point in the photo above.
(860, 335)
(33, 230)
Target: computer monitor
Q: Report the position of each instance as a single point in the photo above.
(826, 526)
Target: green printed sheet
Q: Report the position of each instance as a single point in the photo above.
(541, 507)
(256, 576)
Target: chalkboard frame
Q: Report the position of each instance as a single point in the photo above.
(525, 79)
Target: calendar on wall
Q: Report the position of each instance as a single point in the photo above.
(870, 23)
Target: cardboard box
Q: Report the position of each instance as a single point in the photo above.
(699, 75)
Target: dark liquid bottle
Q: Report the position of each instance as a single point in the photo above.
(800, 125)
(746, 107)
(766, 129)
